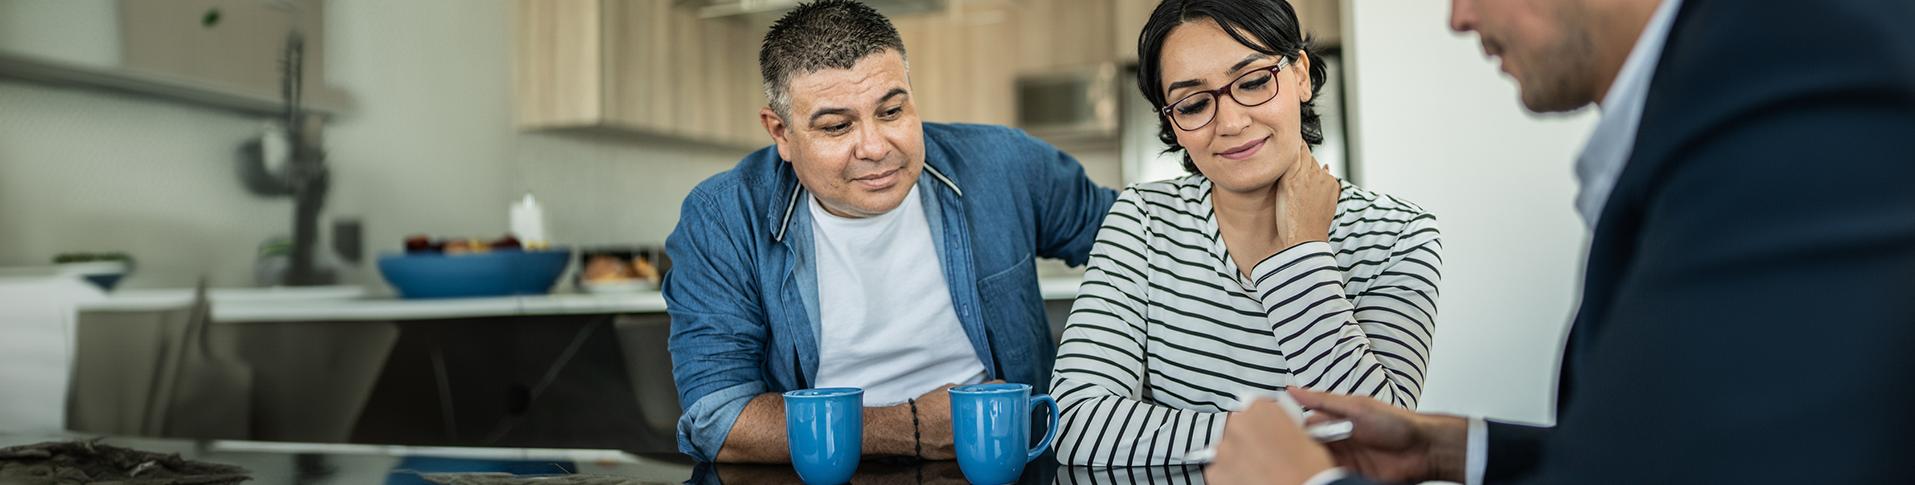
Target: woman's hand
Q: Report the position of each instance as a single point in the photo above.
(1301, 205)
(1306, 201)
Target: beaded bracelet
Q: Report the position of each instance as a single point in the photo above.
(917, 436)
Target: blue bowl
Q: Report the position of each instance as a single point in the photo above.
(495, 273)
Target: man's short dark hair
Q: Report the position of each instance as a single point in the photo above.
(825, 34)
(1266, 26)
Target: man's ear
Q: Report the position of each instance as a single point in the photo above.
(1304, 91)
(779, 131)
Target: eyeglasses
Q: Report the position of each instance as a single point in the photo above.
(1194, 111)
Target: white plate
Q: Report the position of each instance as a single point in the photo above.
(615, 287)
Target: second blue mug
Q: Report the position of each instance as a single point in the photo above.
(991, 425)
(825, 429)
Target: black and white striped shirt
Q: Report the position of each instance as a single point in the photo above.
(1165, 336)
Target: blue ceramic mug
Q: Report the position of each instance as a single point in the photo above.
(825, 429)
(991, 425)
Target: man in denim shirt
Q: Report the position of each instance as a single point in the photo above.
(865, 249)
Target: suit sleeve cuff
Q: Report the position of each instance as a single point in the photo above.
(1477, 458)
(704, 426)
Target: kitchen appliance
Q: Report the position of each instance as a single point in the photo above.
(1070, 105)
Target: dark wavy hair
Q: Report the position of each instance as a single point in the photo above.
(1266, 26)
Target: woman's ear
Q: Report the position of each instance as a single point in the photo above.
(1304, 91)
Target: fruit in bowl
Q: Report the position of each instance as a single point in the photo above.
(420, 244)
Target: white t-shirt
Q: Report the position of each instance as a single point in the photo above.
(888, 326)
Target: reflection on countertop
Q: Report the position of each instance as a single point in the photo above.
(1042, 471)
(323, 464)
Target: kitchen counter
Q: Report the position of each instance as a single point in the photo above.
(351, 303)
(364, 362)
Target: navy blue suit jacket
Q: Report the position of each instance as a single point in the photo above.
(1748, 311)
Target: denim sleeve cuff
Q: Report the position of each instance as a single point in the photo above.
(704, 426)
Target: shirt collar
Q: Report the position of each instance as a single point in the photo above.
(784, 212)
(1608, 148)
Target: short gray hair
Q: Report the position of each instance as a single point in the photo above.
(825, 34)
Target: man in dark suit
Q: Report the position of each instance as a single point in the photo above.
(1748, 310)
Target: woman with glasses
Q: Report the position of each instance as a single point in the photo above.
(1257, 272)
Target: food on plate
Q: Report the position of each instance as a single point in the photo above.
(605, 268)
(644, 270)
(617, 267)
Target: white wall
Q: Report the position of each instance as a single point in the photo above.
(85, 32)
(84, 171)
(427, 146)
(1436, 123)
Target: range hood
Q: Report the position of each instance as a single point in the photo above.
(773, 8)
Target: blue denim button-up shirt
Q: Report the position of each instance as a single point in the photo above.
(743, 292)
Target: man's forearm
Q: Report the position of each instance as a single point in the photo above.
(758, 436)
(1448, 441)
(889, 431)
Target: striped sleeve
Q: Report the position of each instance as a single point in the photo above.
(1100, 374)
(1376, 343)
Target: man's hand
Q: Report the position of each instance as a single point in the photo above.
(1391, 444)
(1263, 444)
(934, 424)
(1306, 201)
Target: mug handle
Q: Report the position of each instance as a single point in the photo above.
(1050, 431)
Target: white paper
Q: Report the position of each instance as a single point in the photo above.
(36, 350)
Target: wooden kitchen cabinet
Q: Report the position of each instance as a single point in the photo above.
(1064, 34)
(644, 66)
(965, 59)
(558, 68)
(1321, 19)
(655, 67)
(1127, 21)
(962, 61)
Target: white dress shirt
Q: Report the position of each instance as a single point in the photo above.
(1608, 148)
